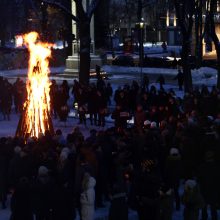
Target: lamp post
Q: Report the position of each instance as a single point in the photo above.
(141, 50)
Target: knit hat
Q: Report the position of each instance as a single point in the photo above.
(147, 122)
(210, 118)
(190, 183)
(174, 151)
(43, 171)
(17, 149)
(153, 124)
(66, 150)
(63, 155)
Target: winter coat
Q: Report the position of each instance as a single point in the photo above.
(93, 102)
(87, 200)
(118, 208)
(3, 173)
(63, 112)
(166, 204)
(147, 194)
(120, 118)
(42, 195)
(209, 181)
(192, 201)
(173, 170)
(139, 119)
(21, 203)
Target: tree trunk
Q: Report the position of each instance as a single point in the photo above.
(199, 36)
(215, 38)
(2, 37)
(85, 40)
(185, 64)
(218, 66)
(44, 21)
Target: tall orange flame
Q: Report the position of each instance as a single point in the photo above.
(36, 117)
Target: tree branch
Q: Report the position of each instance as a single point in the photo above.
(180, 17)
(212, 24)
(60, 6)
(80, 10)
(92, 8)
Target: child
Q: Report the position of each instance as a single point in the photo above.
(192, 200)
(87, 198)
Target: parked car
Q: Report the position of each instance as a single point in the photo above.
(123, 60)
(192, 62)
(157, 62)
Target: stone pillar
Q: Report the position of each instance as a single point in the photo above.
(72, 62)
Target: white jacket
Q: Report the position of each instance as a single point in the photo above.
(87, 200)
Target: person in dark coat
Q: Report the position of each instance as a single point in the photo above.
(173, 170)
(161, 81)
(6, 100)
(18, 93)
(64, 204)
(53, 98)
(42, 194)
(82, 105)
(19, 166)
(117, 94)
(146, 82)
(209, 181)
(192, 200)
(82, 167)
(109, 92)
(118, 208)
(140, 117)
(174, 62)
(65, 88)
(4, 161)
(147, 191)
(120, 117)
(62, 98)
(122, 100)
(21, 207)
(164, 46)
(180, 78)
(92, 104)
(166, 202)
(102, 108)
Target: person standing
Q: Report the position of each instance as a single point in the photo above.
(180, 78)
(109, 92)
(192, 200)
(209, 180)
(21, 201)
(6, 99)
(87, 197)
(161, 81)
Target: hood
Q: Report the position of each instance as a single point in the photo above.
(91, 183)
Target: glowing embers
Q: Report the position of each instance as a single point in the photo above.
(35, 118)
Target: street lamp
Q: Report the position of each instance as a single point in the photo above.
(141, 50)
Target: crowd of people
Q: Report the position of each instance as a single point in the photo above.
(173, 141)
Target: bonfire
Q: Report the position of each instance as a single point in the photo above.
(35, 118)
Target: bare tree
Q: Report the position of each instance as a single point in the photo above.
(199, 31)
(185, 10)
(4, 20)
(82, 18)
(211, 8)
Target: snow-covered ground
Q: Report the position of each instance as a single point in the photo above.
(204, 75)
(8, 128)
